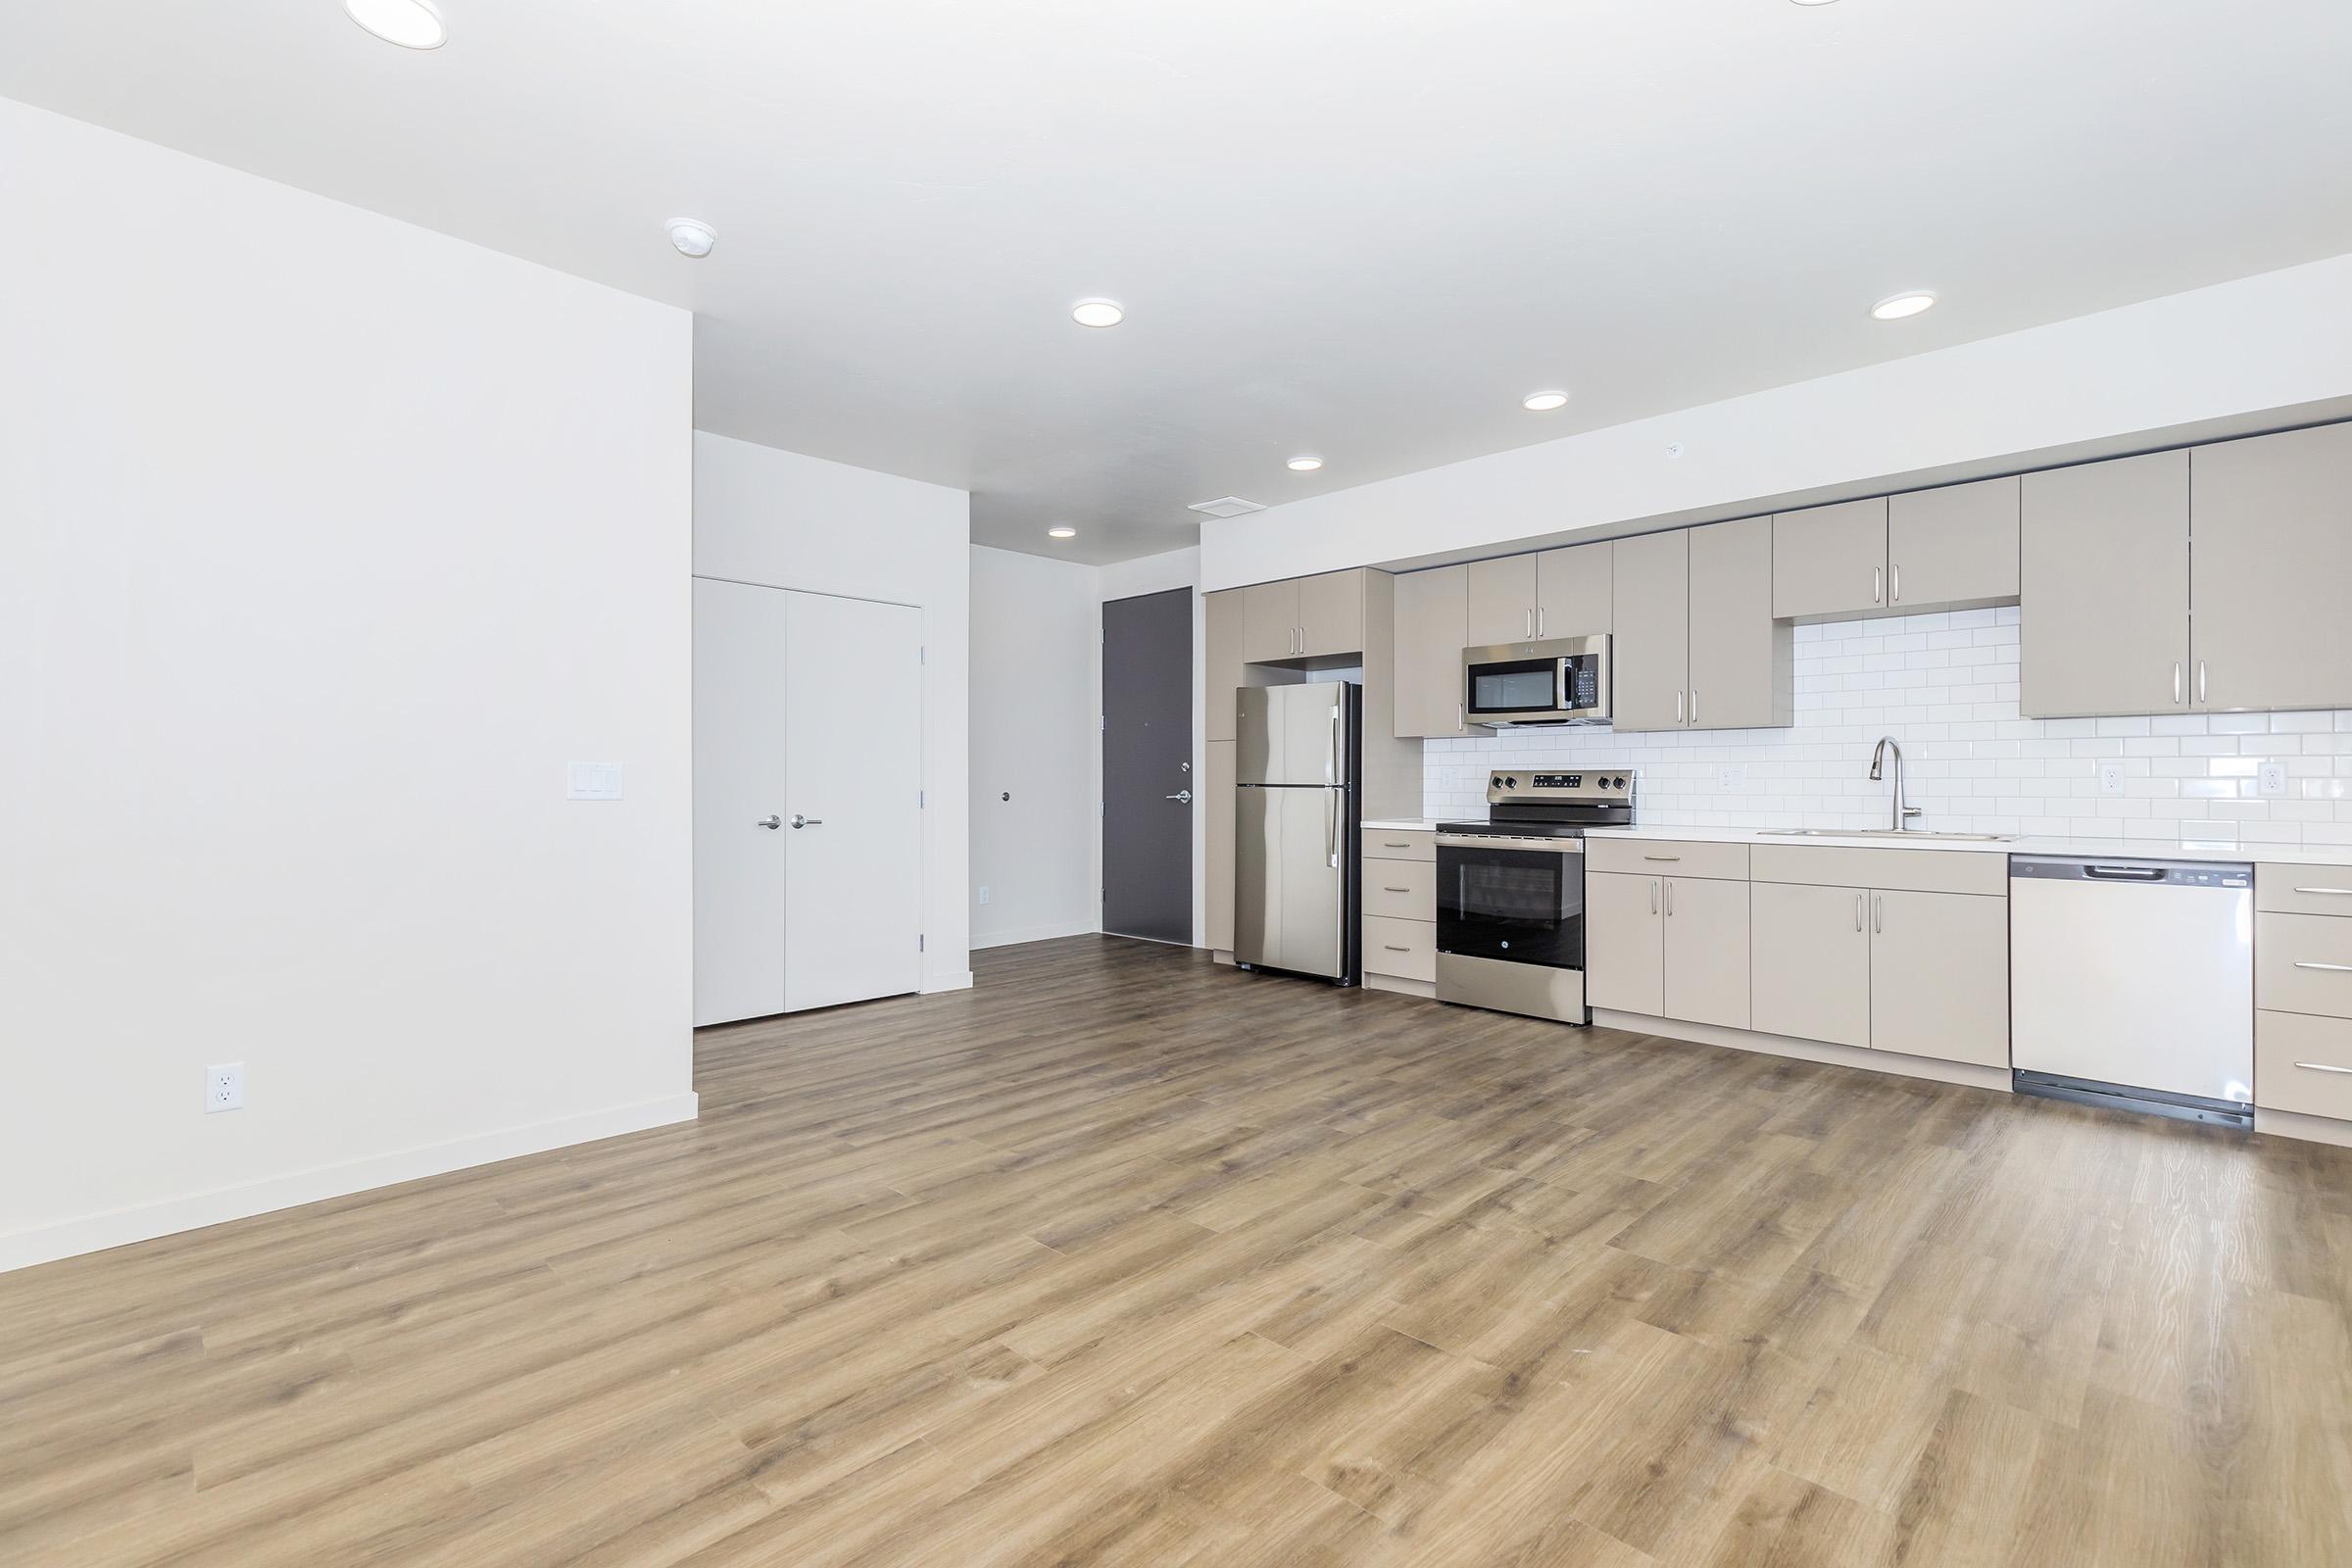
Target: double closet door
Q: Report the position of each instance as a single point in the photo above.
(808, 821)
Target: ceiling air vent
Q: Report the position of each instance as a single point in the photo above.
(1226, 507)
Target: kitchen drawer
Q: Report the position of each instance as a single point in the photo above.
(1714, 863)
(2303, 889)
(2303, 1063)
(1400, 844)
(1400, 890)
(1405, 949)
(1896, 870)
(2303, 963)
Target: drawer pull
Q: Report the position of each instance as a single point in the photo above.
(1388, 846)
(2313, 963)
(1395, 890)
(2321, 1066)
(1662, 856)
(1394, 948)
(2342, 893)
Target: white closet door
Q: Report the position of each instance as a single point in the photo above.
(739, 742)
(853, 896)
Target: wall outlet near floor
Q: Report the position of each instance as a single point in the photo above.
(1730, 778)
(2271, 779)
(983, 893)
(2111, 778)
(224, 1086)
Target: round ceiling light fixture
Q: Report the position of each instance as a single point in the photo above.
(1304, 465)
(409, 23)
(1894, 307)
(691, 236)
(1097, 313)
(1061, 531)
(1815, 2)
(1544, 402)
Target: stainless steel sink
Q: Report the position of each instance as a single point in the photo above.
(1882, 833)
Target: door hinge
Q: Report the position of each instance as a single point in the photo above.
(922, 655)
(918, 943)
(1104, 721)
(920, 799)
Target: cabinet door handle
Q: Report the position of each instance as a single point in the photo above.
(1693, 705)
(1530, 625)
(2200, 680)
(1857, 911)
(2321, 1066)
(2333, 968)
(1461, 716)
(1878, 585)
(1539, 621)
(1877, 914)
(1670, 896)
(2176, 681)
(1678, 707)
(1895, 580)
(1653, 895)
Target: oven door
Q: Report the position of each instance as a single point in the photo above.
(1512, 900)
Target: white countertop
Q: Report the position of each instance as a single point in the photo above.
(2101, 848)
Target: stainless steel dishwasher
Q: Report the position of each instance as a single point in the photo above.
(2132, 984)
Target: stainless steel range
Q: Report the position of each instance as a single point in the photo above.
(1511, 892)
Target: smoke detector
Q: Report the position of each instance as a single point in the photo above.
(1226, 507)
(691, 236)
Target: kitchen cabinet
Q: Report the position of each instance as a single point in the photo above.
(1651, 654)
(1217, 783)
(1432, 629)
(2271, 574)
(1741, 663)
(1830, 561)
(1625, 946)
(2104, 556)
(1812, 962)
(1502, 601)
(1269, 622)
(1574, 590)
(1331, 614)
(1939, 975)
(1706, 951)
(1223, 674)
(1953, 548)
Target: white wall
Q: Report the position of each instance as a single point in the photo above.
(325, 542)
(762, 515)
(1945, 687)
(1036, 669)
(2275, 341)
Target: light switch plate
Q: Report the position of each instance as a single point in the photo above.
(2271, 779)
(2111, 778)
(592, 781)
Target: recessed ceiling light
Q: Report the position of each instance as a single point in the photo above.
(691, 236)
(1097, 313)
(409, 23)
(1814, 2)
(1894, 307)
(1065, 531)
(1544, 402)
(1306, 464)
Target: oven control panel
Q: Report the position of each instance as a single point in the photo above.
(1610, 784)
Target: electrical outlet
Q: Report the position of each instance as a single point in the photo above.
(1730, 778)
(2271, 779)
(983, 893)
(224, 1086)
(2111, 778)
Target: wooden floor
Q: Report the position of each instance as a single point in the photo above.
(1127, 1258)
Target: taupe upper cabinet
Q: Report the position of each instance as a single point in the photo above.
(1331, 613)
(1222, 618)
(2271, 576)
(2104, 585)
(1574, 590)
(1830, 561)
(1742, 663)
(1502, 601)
(1269, 622)
(1432, 629)
(1651, 652)
(1953, 548)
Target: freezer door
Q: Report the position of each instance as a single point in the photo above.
(1257, 840)
(1315, 881)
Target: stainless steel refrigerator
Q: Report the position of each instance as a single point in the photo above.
(1295, 825)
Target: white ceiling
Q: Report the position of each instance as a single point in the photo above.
(1362, 229)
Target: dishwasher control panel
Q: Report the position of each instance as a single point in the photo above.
(2154, 873)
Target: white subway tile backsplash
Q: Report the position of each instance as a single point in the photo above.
(1945, 686)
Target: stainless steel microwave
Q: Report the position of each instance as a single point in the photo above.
(1561, 682)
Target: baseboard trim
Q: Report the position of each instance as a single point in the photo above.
(2311, 1129)
(1708, 1034)
(1036, 933)
(1402, 986)
(933, 984)
(93, 1233)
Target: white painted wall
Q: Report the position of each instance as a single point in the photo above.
(2275, 341)
(325, 542)
(1036, 669)
(764, 516)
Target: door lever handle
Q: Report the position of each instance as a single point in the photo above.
(1185, 796)
(769, 821)
(798, 820)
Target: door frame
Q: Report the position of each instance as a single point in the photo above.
(1198, 824)
(1139, 585)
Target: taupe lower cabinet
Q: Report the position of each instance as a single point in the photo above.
(1430, 632)
(1672, 947)
(1550, 593)
(1926, 974)
(1221, 616)
(1218, 782)
(1925, 550)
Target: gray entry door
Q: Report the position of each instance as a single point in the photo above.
(1148, 791)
